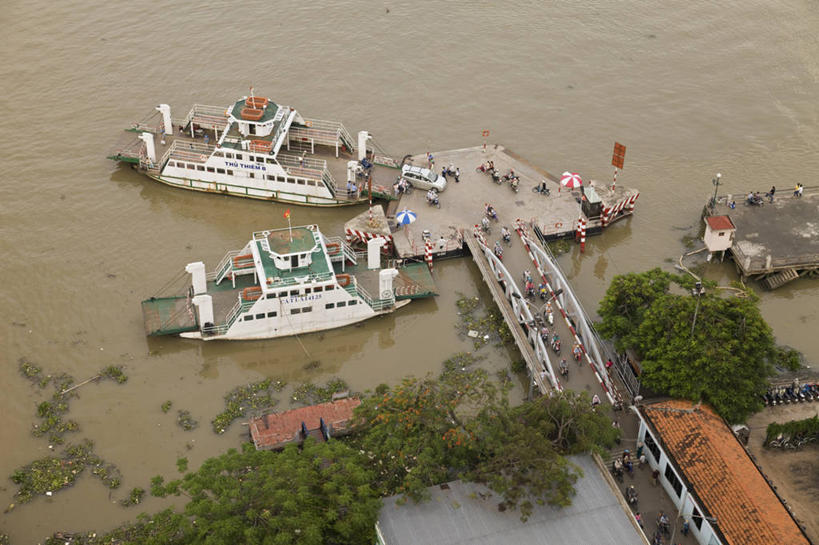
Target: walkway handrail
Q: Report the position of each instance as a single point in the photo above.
(586, 337)
(522, 314)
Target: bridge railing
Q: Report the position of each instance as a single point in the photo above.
(524, 317)
(570, 307)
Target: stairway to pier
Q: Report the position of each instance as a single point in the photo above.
(779, 279)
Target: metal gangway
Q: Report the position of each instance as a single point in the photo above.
(595, 351)
(517, 314)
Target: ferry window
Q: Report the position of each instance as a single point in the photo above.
(171, 163)
(331, 287)
(295, 311)
(229, 155)
(271, 314)
(330, 305)
(230, 172)
(341, 304)
(220, 171)
(200, 167)
(673, 480)
(270, 160)
(317, 289)
(252, 175)
(260, 316)
(259, 159)
(218, 154)
(190, 167)
(353, 302)
(271, 178)
(211, 169)
(294, 293)
(307, 309)
(307, 290)
(300, 182)
(248, 318)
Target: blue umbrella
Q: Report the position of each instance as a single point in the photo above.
(405, 217)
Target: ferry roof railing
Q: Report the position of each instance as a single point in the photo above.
(188, 150)
(208, 117)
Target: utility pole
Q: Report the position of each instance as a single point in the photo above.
(696, 292)
(716, 182)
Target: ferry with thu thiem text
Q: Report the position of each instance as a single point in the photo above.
(284, 282)
(258, 149)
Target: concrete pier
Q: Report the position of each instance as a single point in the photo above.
(462, 203)
(775, 242)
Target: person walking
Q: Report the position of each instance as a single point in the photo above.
(639, 518)
(655, 477)
(771, 193)
(457, 174)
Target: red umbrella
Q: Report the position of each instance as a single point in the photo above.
(571, 180)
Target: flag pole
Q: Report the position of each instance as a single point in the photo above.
(289, 228)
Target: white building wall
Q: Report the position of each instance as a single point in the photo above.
(684, 502)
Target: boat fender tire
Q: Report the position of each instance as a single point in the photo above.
(558, 225)
(343, 280)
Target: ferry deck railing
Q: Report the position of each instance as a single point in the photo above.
(377, 305)
(237, 310)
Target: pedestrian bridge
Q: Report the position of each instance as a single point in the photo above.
(504, 276)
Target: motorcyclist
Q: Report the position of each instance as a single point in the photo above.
(564, 367)
(507, 236)
(490, 211)
(498, 250)
(485, 224)
(432, 196)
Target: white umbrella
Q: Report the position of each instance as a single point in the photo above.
(405, 217)
(571, 180)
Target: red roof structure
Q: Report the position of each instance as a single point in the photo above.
(275, 430)
(719, 223)
(721, 476)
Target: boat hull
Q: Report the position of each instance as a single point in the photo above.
(258, 194)
(324, 326)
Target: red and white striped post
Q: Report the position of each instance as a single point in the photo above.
(428, 252)
(581, 233)
(614, 183)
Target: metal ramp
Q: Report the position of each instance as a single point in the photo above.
(168, 315)
(779, 279)
(320, 132)
(414, 281)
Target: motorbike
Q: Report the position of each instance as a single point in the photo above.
(514, 184)
(507, 237)
(491, 213)
(564, 369)
(631, 496)
(577, 352)
(433, 201)
(556, 344)
(542, 189)
(495, 177)
(498, 250)
(485, 226)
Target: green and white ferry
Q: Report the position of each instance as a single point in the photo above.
(258, 149)
(282, 282)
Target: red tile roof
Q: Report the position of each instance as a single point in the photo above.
(277, 429)
(722, 476)
(720, 223)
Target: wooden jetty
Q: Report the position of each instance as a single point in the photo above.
(558, 215)
(775, 243)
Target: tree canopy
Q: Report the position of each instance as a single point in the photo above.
(727, 360)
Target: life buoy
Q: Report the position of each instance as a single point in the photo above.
(251, 293)
(237, 261)
(333, 248)
(343, 280)
(558, 225)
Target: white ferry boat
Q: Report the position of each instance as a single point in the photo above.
(283, 282)
(259, 149)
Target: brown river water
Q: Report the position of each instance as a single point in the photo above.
(691, 88)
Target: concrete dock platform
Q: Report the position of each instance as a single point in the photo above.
(462, 203)
(774, 239)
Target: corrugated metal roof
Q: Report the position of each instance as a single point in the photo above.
(467, 513)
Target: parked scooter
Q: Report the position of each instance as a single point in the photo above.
(631, 496)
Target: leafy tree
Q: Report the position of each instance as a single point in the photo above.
(726, 362)
(319, 493)
(626, 301)
(418, 433)
(523, 448)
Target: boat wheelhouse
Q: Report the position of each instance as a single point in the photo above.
(259, 149)
(282, 282)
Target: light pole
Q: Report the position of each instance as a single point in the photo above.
(697, 292)
(715, 181)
